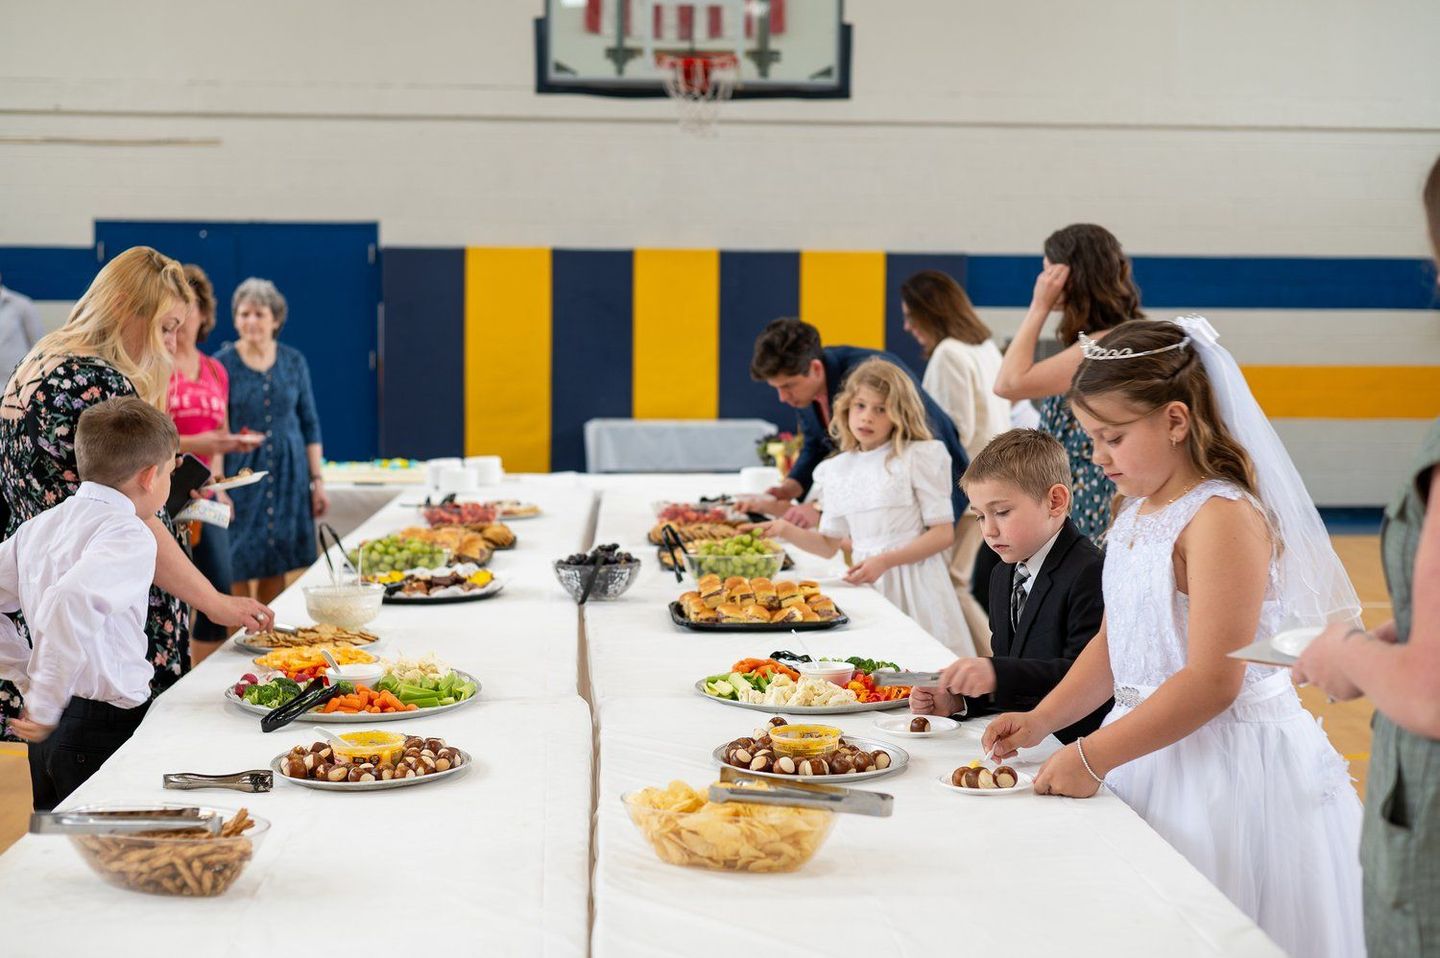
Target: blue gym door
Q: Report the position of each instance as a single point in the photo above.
(330, 276)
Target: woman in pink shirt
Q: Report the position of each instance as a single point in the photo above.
(198, 401)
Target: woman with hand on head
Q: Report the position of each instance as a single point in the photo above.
(1087, 277)
(274, 528)
(118, 341)
(1398, 667)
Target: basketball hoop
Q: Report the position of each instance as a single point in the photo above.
(699, 81)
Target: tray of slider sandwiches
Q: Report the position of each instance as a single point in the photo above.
(738, 604)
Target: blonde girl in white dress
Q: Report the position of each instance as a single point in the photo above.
(888, 493)
(1214, 545)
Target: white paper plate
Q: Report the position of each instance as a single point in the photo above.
(235, 483)
(899, 725)
(369, 786)
(1294, 641)
(1024, 782)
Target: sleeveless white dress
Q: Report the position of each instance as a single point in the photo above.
(1257, 799)
(881, 503)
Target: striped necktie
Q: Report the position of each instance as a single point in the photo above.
(1018, 595)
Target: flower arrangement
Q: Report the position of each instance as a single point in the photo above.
(779, 450)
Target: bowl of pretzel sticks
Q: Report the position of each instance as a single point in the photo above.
(193, 863)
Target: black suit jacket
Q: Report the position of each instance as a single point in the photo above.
(1061, 615)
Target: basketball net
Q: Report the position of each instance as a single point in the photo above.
(699, 82)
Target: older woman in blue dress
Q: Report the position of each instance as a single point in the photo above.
(274, 528)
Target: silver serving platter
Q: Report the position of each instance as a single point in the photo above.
(899, 758)
(241, 642)
(360, 718)
(805, 710)
(475, 595)
(368, 786)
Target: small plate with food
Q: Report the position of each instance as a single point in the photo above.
(245, 477)
(978, 779)
(916, 726)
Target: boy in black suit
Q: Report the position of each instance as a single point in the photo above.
(1045, 596)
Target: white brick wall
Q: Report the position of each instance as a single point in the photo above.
(1207, 126)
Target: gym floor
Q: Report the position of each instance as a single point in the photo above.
(1348, 723)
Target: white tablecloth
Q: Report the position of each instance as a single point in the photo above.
(1015, 875)
(498, 860)
(498, 855)
(672, 445)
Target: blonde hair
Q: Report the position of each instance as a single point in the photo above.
(902, 402)
(1029, 459)
(135, 286)
(119, 437)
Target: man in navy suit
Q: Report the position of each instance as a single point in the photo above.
(808, 376)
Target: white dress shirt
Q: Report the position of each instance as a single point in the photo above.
(81, 572)
(1035, 563)
(961, 378)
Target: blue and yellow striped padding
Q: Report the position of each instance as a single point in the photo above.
(555, 337)
(509, 351)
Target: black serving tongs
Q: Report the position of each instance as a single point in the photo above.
(120, 822)
(737, 786)
(314, 694)
(670, 539)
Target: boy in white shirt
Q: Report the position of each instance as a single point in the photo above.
(81, 573)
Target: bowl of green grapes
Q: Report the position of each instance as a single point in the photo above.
(377, 557)
(746, 555)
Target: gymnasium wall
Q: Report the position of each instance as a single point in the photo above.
(1262, 162)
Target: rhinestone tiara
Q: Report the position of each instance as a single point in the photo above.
(1094, 350)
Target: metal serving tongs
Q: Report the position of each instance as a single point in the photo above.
(671, 540)
(884, 678)
(737, 786)
(255, 780)
(123, 822)
(324, 529)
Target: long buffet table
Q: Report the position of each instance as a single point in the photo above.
(500, 858)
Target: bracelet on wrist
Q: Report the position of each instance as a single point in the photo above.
(1357, 631)
(1080, 748)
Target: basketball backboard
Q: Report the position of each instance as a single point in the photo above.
(784, 48)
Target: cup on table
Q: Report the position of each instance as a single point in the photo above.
(456, 479)
(754, 480)
(487, 470)
(434, 467)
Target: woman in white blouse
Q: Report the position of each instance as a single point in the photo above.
(963, 362)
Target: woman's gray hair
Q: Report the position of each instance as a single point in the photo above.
(264, 293)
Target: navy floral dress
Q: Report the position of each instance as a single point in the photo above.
(1091, 492)
(37, 471)
(273, 531)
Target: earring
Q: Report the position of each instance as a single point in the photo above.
(1174, 442)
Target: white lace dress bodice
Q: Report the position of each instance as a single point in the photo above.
(1147, 615)
(1256, 798)
(881, 501)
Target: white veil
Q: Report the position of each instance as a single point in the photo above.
(1314, 589)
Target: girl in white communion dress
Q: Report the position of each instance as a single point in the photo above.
(1215, 543)
(887, 491)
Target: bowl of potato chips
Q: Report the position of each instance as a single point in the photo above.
(686, 828)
